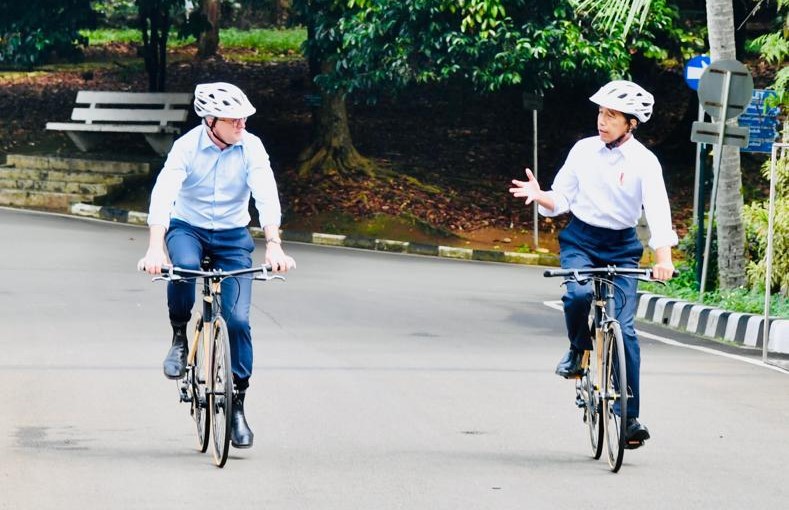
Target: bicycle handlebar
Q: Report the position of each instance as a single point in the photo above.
(602, 271)
(175, 273)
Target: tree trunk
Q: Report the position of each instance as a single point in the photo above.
(729, 203)
(155, 28)
(282, 9)
(332, 151)
(208, 44)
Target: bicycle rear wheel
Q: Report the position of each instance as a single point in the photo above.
(196, 374)
(585, 387)
(221, 396)
(614, 395)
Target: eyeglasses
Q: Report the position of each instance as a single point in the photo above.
(235, 122)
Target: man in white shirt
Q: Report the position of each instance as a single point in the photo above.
(200, 207)
(604, 183)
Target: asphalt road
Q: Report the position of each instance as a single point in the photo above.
(381, 381)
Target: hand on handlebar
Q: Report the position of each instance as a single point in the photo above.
(153, 262)
(663, 271)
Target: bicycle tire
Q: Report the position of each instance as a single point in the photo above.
(614, 390)
(591, 399)
(221, 396)
(197, 387)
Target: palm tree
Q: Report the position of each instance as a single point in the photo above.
(729, 203)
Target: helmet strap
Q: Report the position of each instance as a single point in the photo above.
(210, 126)
(626, 136)
(619, 141)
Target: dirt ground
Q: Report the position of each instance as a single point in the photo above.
(446, 154)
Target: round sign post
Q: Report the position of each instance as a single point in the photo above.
(725, 90)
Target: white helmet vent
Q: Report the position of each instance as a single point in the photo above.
(222, 100)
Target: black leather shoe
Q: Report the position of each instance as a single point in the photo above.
(175, 362)
(635, 434)
(570, 365)
(241, 435)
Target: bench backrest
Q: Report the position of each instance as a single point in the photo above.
(131, 107)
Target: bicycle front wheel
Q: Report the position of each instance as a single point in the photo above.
(614, 394)
(196, 374)
(221, 396)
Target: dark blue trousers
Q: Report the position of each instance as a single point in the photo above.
(583, 245)
(228, 249)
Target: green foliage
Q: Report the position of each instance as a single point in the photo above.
(115, 13)
(774, 48)
(31, 32)
(756, 223)
(489, 43)
(687, 246)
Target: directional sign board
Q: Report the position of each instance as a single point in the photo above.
(694, 68)
(762, 124)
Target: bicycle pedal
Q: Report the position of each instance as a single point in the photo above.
(632, 445)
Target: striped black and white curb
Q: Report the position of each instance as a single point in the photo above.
(741, 328)
(745, 329)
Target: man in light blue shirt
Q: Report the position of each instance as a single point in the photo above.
(605, 183)
(200, 207)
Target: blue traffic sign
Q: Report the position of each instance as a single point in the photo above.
(694, 68)
(762, 123)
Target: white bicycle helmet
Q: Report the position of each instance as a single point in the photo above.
(222, 100)
(626, 97)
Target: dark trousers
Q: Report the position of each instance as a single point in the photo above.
(228, 249)
(583, 245)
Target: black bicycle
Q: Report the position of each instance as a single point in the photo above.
(601, 390)
(207, 385)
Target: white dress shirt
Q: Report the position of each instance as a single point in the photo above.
(608, 188)
(210, 188)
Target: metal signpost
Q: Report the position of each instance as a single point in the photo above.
(770, 227)
(724, 92)
(533, 102)
(694, 68)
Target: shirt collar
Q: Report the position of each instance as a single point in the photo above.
(206, 142)
(626, 149)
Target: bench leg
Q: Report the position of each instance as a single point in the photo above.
(161, 143)
(83, 141)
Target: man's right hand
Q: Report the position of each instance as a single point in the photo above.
(153, 261)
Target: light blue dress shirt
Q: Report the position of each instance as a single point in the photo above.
(609, 187)
(210, 188)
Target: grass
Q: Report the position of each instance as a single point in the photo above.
(266, 41)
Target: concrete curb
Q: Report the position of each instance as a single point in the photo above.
(744, 329)
(740, 328)
(365, 243)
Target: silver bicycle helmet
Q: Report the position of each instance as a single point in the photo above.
(626, 97)
(222, 100)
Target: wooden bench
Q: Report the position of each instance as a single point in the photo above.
(148, 113)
